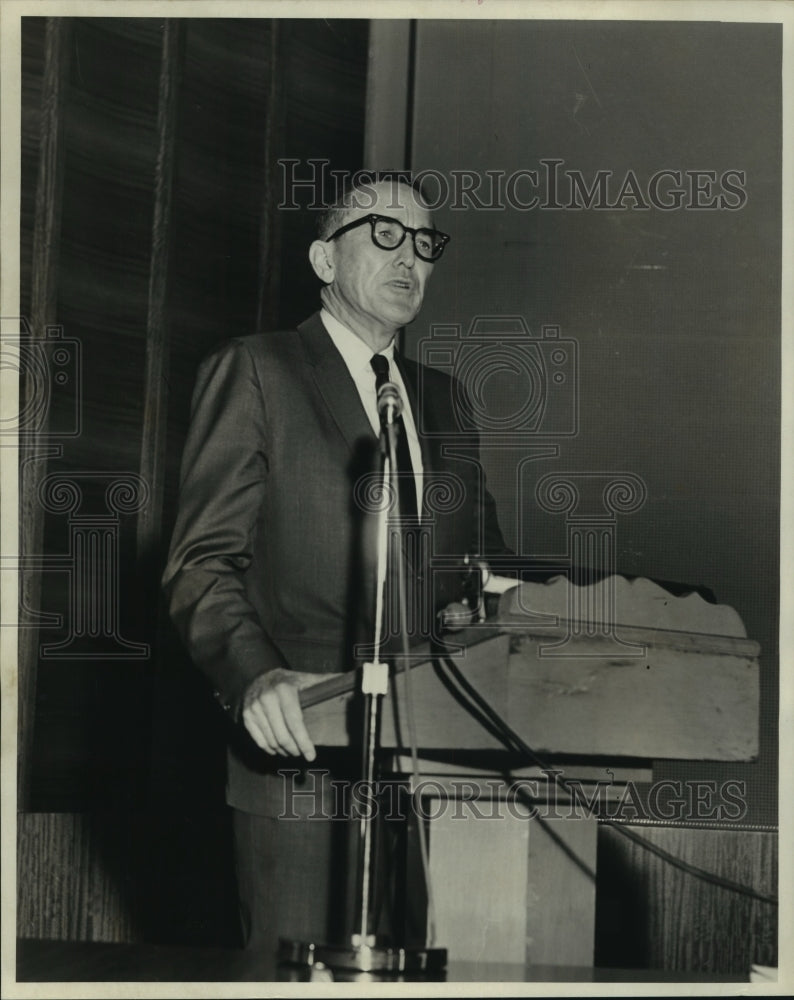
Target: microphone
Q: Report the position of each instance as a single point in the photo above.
(390, 404)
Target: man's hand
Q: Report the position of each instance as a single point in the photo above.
(272, 713)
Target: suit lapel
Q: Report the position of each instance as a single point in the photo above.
(334, 382)
(339, 392)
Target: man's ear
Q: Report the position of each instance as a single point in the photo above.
(321, 258)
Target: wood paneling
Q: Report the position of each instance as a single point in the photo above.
(70, 890)
(89, 876)
(652, 915)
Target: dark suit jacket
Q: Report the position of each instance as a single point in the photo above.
(272, 557)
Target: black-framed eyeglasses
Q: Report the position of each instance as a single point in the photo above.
(388, 234)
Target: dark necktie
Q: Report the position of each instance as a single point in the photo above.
(406, 481)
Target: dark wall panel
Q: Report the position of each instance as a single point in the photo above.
(676, 314)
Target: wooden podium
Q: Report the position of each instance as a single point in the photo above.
(599, 681)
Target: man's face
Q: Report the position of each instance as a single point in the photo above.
(375, 289)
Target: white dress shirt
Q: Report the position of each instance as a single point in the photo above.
(356, 355)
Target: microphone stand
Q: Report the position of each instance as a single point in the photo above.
(362, 954)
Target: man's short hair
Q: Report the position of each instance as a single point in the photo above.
(357, 193)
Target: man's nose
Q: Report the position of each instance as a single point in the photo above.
(406, 252)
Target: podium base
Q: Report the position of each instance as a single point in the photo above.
(357, 958)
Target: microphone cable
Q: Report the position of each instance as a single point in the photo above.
(479, 707)
(397, 539)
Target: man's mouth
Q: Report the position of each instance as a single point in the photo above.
(406, 286)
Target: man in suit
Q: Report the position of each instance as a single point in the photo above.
(271, 574)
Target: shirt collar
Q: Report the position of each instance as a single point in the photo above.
(354, 351)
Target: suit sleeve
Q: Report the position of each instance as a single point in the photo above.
(224, 474)
(494, 548)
